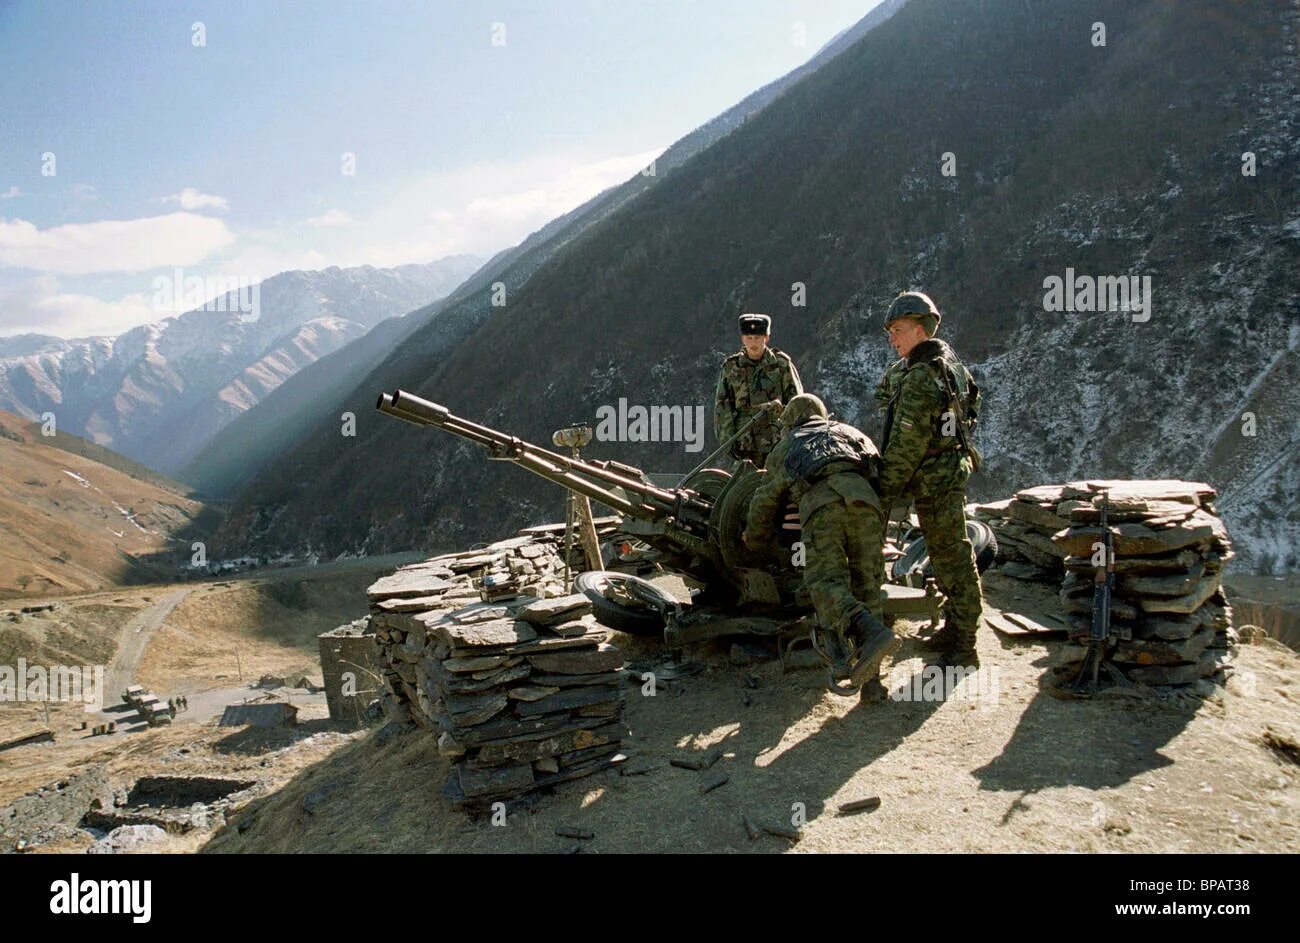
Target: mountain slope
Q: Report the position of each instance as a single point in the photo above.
(309, 405)
(159, 392)
(69, 523)
(1069, 156)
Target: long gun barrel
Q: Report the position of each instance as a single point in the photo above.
(618, 486)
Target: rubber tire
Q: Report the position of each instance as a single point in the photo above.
(985, 543)
(982, 540)
(727, 524)
(634, 621)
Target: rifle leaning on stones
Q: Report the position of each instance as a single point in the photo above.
(1102, 588)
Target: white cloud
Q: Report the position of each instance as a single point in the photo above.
(191, 199)
(132, 245)
(261, 261)
(479, 209)
(36, 306)
(11, 193)
(331, 217)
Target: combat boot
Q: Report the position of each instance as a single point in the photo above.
(873, 691)
(940, 641)
(876, 642)
(960, 652)
(834, 650)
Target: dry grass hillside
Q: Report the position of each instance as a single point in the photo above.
(69, 523)
(271, 623)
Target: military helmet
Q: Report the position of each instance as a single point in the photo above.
(800, 409)
(753, 323)
(914, 304)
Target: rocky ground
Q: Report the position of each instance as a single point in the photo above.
(1006, 766)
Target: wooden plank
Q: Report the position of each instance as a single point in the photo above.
(1039, 623)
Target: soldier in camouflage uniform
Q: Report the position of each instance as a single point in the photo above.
(825, 467)
(750, 377)
(930, 402)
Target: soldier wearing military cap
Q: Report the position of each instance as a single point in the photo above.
(931, 403)
(751, 378)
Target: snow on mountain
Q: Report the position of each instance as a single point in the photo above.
(159, 392)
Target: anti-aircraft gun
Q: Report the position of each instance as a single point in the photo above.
(695, 527)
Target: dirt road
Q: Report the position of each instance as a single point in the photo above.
(131, 644)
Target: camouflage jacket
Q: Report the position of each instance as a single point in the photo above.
(922, 453)
(778, 488)
(743, 386)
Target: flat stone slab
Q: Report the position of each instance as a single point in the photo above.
(501, 780)
(1038, 540)
(991, 510)
(1182, 560)
(569, 699)
(476, 562)
(573, 681)
(510, 662)
(470, 710)
(574, 628)
(1173, 584)
(477, 663)
(1026, 571)
(530, 750)
(545, 644)
(1153, 512)
(1036, 515)
(405, 604)
(1127, 489)
(501, 632)
(1185, 604)
(479, 612)
(1166, 652)
(409, 584)
(603, 709)
(592, 661)
(532, 692)
(519, 729)
(469, 684)
(561, 609)
(1138, 540)
(1209, 662)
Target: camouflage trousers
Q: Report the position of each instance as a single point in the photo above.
(843, 562)
(943, 521)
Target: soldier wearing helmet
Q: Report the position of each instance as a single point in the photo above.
(751, 378)
(931, 403)
(828, 469)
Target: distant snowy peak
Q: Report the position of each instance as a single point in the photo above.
(158, 392)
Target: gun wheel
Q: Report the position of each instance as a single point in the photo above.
(625, 602)
(913, 567)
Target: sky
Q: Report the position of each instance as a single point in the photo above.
(234, 140)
